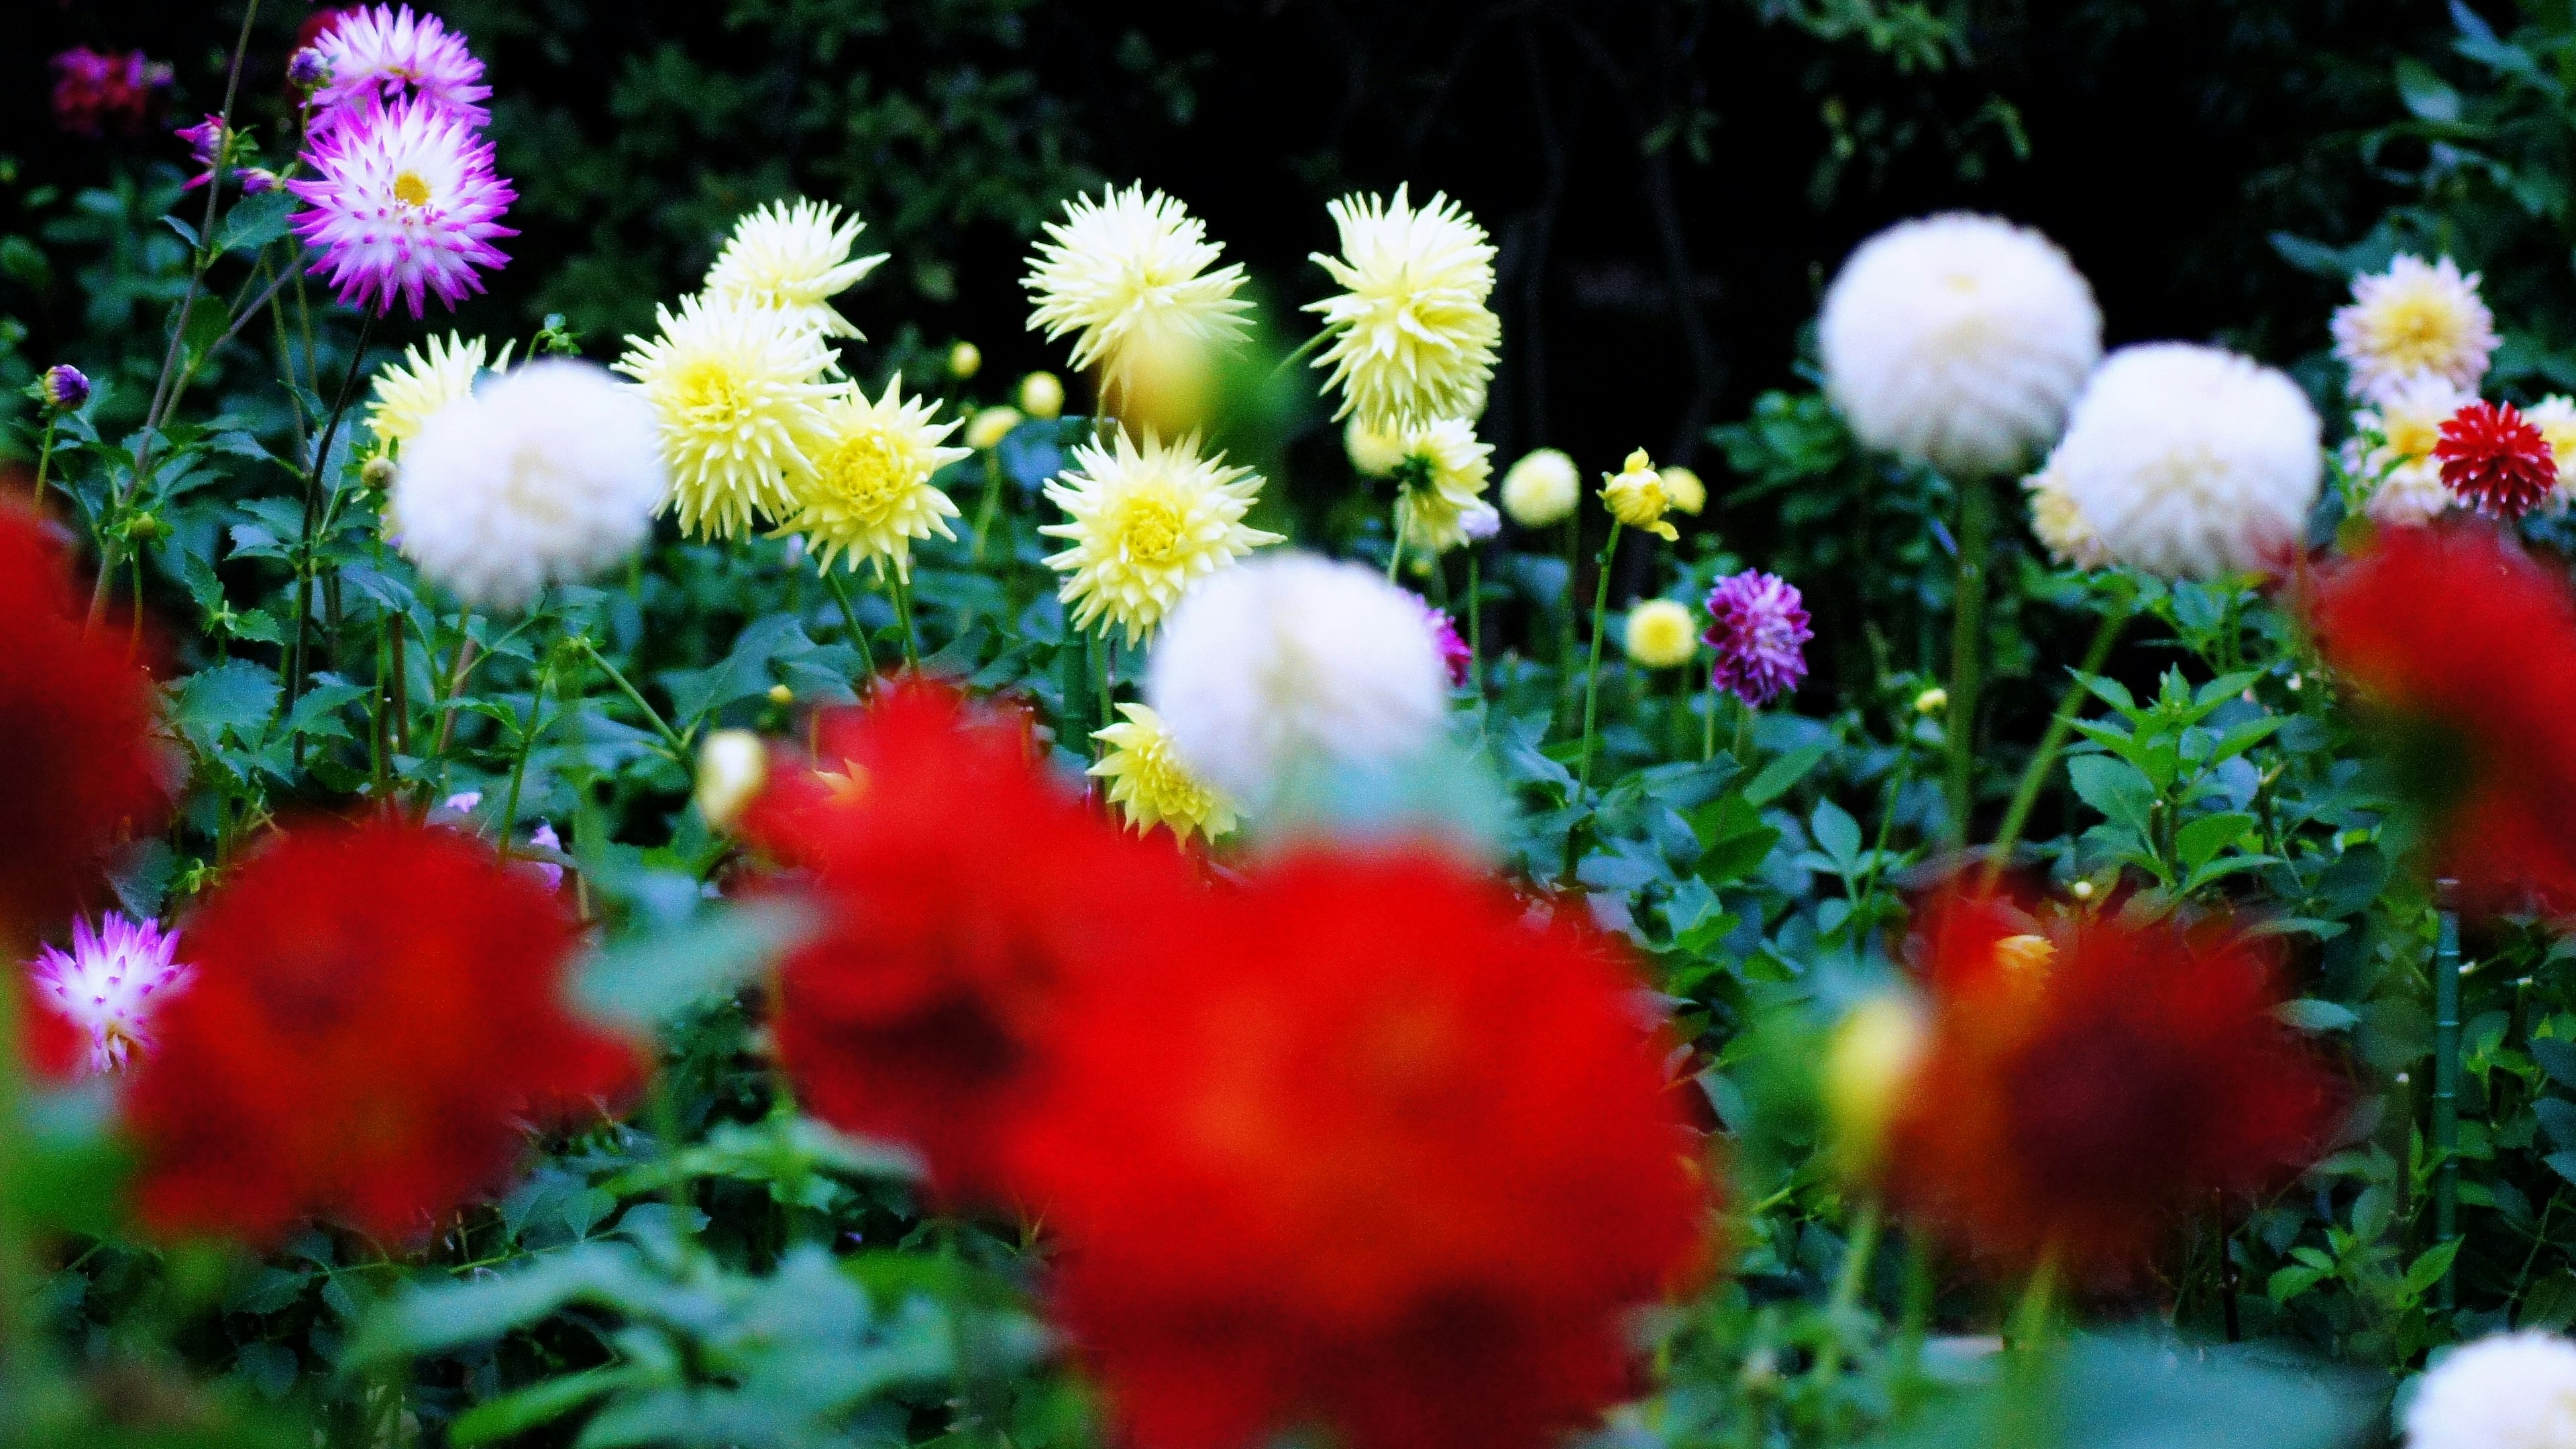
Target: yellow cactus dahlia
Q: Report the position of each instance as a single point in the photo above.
(794, 258)
(1411, 339)
(1446, 469)
(1145, 524)
(430, 376)
(870, 494)
(737, 393)
(1149, 784)
(1128, 275)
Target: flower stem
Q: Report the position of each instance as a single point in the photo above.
(18, 1338)
(1708, 722)
(304, 548)
(2044, 760)
(528, 735)
(44, 459)
(671, 740)
(1104, 677)
(2446, 1093)
(840, 588)
(1475, 624)
(899, 593)
(1967, 652)
(992, 502)
(1592, 671)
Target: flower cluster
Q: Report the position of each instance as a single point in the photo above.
(95, 92)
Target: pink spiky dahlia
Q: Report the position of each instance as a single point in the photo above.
(384, 54)
(403, 202)
(111, 984)
(1757, 624)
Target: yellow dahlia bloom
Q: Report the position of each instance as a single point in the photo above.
(1128, 275)
(2555, 416)
(2060, 525)
(1868, 1068)
(1685, 489)
(2406, 419)
(429, 377)
(1149, 784)
(1145, 524)
(870, 494)
(1411, 338)
(990, 427)
(1445, 467)
(794, 258)
(1542, 488)
(736, 390)
(1374, 452)
(1042, 396)
(1635, 496)
(1661, 634)
(2415, 320)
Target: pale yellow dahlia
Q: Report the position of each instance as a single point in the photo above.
(1635, 496)
(1445, 467)
(2555, 416)
(1685, 489)
(429, 377)
(1373, 452)
(1128, 275)
(2059, 524)
(2391, 449)
(737, 391)
(1661, 634)
(870, 494)
(2415, 319)
(794, 258)
(1145, 524)
(990, 427)
(1411, 337)
(1149, 784)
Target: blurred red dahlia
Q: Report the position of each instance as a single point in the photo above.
(2496, 461)
(2461, 649)
(79, 774)
(377, 1007)
(1370, 1148)
(2089, 1076)
(963, 888)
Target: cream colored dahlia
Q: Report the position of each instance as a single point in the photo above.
(1446, 468)
(795, 258)
(1542, 488)
(2059, 524)
(1684, 488)
(2415, 319)
(1373, 452)
(2555, 416)
(2504, 1391)
(870, 493)
(2405, 421)
(1149, 784)
(431, 375)
(1128, 276)
(1411, 338)
(1958, 341)
(737, 391)
(1661, 634)
(1144, 525)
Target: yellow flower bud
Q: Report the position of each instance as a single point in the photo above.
(1041, 395)
(2022, 955)
(1683, 487)
(378, 474)
(732, 766)
(781, 694)
(2082, 890)
(1869, 1067)
(965, 360)
(1635, 496)
(990, 427)
(1932, 701)
(1373, 451)
(1662, 634)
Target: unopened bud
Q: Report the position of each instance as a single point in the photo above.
(378, 473)
(781, 694)
(965, 360)
(990, 427)
(1042, 395)
(308, 68)
(1869, 1066)
(64, 387)
(732, 766)
(1932, 701)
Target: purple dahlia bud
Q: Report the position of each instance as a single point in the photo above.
(64, 387)
(307, 69)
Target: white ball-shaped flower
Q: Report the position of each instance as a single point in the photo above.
(2191, 462)
(1542, 488)
(1958, 341)
(1291, 664)
(548, 473)
(2510, 1391)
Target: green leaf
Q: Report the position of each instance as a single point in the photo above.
(538, 1404)
(2199, 840)
(254, 221)
(2557, 1058)
(2114, 788)
(650, 978)
(2310, 1014)
(237, 696)
(2431, 1265)
(1783, 774)
(1838, 835)
(2427, 96)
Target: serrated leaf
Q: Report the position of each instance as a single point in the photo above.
(237, 695)
(1783, 774)
(2113, 787)
(254, 221)
(2557, 1058)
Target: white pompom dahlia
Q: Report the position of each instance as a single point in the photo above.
(2191, 462)
(546, 474)
(1294, 663)
(2509, 1391)
(1958, 341)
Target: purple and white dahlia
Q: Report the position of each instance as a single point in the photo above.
(383, 54)
(111, 984)
(403, 202)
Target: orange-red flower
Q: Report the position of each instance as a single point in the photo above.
(377, 1007)
(2496, 461)
(78, 773)
(2090, 1075)
(2461, 649)
(963, 888)
(1369, 1147)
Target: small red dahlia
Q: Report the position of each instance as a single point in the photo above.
(1371, 1149)
(2496, 461)
(79, 773)
(378, 1006)
(2461, 651)
(963, 888)
(2089, 1077)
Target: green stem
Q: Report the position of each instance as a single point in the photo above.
(2034, 1316)
(1395, 553)
(312, 499)
(2446, 1092)
(1708, 723)
(671, 741)
(1967, 652)
(1914, 1324)
(1857, 1255)
(899, 593)
(1103, 676)
(19, 1343)
(1592, 671)
(1475, 623)
(840, 588)
(44, 460)
(992, 502)
(528, 736)
(2060, 725)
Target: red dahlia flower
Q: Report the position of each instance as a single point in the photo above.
(78, 770)
(94, 91)
(1371, 1148)
(2089, 1077)
(2496, 461)
(963, 888)
(377, 1006)
(2462, 651)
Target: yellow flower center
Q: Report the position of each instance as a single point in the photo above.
(2419, 331)
(712, 392)
(2415, 437)
(867, 475)
(1149, 528)
(411, 189)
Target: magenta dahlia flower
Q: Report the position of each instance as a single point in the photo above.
(403, 202)
(389, 55)
(111, 983)
(94, 91)
(1758, 627)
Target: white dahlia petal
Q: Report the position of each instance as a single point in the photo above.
(2509, 1391)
